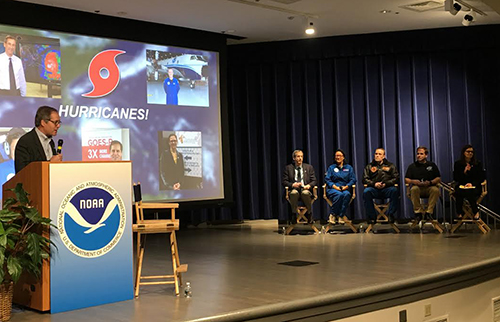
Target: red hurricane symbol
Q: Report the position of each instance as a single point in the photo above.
(104, 60)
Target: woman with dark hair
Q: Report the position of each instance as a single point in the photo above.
(339, 179)
(172, 166)
(468, 174)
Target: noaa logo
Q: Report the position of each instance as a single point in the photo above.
(429, 168)
(91, 219)
(104, 73)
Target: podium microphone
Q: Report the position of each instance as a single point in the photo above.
(59, 146)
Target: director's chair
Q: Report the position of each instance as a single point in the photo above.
(381, 206)
(468, 216)
(301, 212)
(343, 220)
(428, 219)
(142, 228)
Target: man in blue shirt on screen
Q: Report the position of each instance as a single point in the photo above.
(171, 87)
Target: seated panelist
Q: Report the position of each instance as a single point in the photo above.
(339, 179)
(300, 179)
(380, 176)
(468, 174)
(424, 177)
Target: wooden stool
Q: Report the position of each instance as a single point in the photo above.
(301, 212)
(331, 221)
(468, 216)
(382, 217)
(157, 226)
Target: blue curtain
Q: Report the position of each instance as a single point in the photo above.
(437, 88)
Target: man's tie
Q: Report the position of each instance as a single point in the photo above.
(299, 174)
(11, 76)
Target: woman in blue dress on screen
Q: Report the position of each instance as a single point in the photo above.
(468, 174)
(339, 180)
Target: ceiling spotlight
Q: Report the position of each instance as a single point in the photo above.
(469, 18)
(452, 7)
(310, 27)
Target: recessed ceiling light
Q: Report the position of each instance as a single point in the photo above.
(385, 11)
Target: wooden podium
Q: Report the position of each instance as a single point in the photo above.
(91, 205)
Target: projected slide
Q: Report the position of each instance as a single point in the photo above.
(119, 100)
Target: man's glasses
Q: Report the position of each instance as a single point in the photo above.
(56, 123)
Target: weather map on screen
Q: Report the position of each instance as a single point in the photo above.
(121, 100)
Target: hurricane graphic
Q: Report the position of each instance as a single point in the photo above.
(104, 73)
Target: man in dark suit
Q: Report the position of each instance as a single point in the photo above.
(300, 179)
(37, 144)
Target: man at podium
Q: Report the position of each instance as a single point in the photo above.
(37, 144)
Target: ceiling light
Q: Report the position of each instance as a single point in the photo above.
(310, 27)
(452, 7)
(469, 18)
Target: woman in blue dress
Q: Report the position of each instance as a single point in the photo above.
(339, 180)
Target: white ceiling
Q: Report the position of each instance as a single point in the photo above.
(270, 20)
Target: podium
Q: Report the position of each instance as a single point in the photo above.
(90, 203)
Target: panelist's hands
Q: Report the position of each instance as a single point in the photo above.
(297, 185)
(56, 158)
(424, 183)
(307, 187)
(340, 188)
(379, 185)
(467, 168)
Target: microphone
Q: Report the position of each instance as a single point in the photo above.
(59, 146)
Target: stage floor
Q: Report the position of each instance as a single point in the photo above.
(236, 267)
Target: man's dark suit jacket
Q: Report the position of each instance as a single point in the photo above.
(308, 175)
(29, 149)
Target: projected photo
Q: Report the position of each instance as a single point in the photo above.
(180, 160)
(8, 140)
(105, 145)
(36, 66)
(177, 78)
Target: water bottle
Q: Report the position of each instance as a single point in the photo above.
(187, 290)
(361, 228)
(323, 230)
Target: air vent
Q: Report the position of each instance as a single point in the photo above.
(424, 6)
(496, 309)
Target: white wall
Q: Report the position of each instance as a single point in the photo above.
(472, 304)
